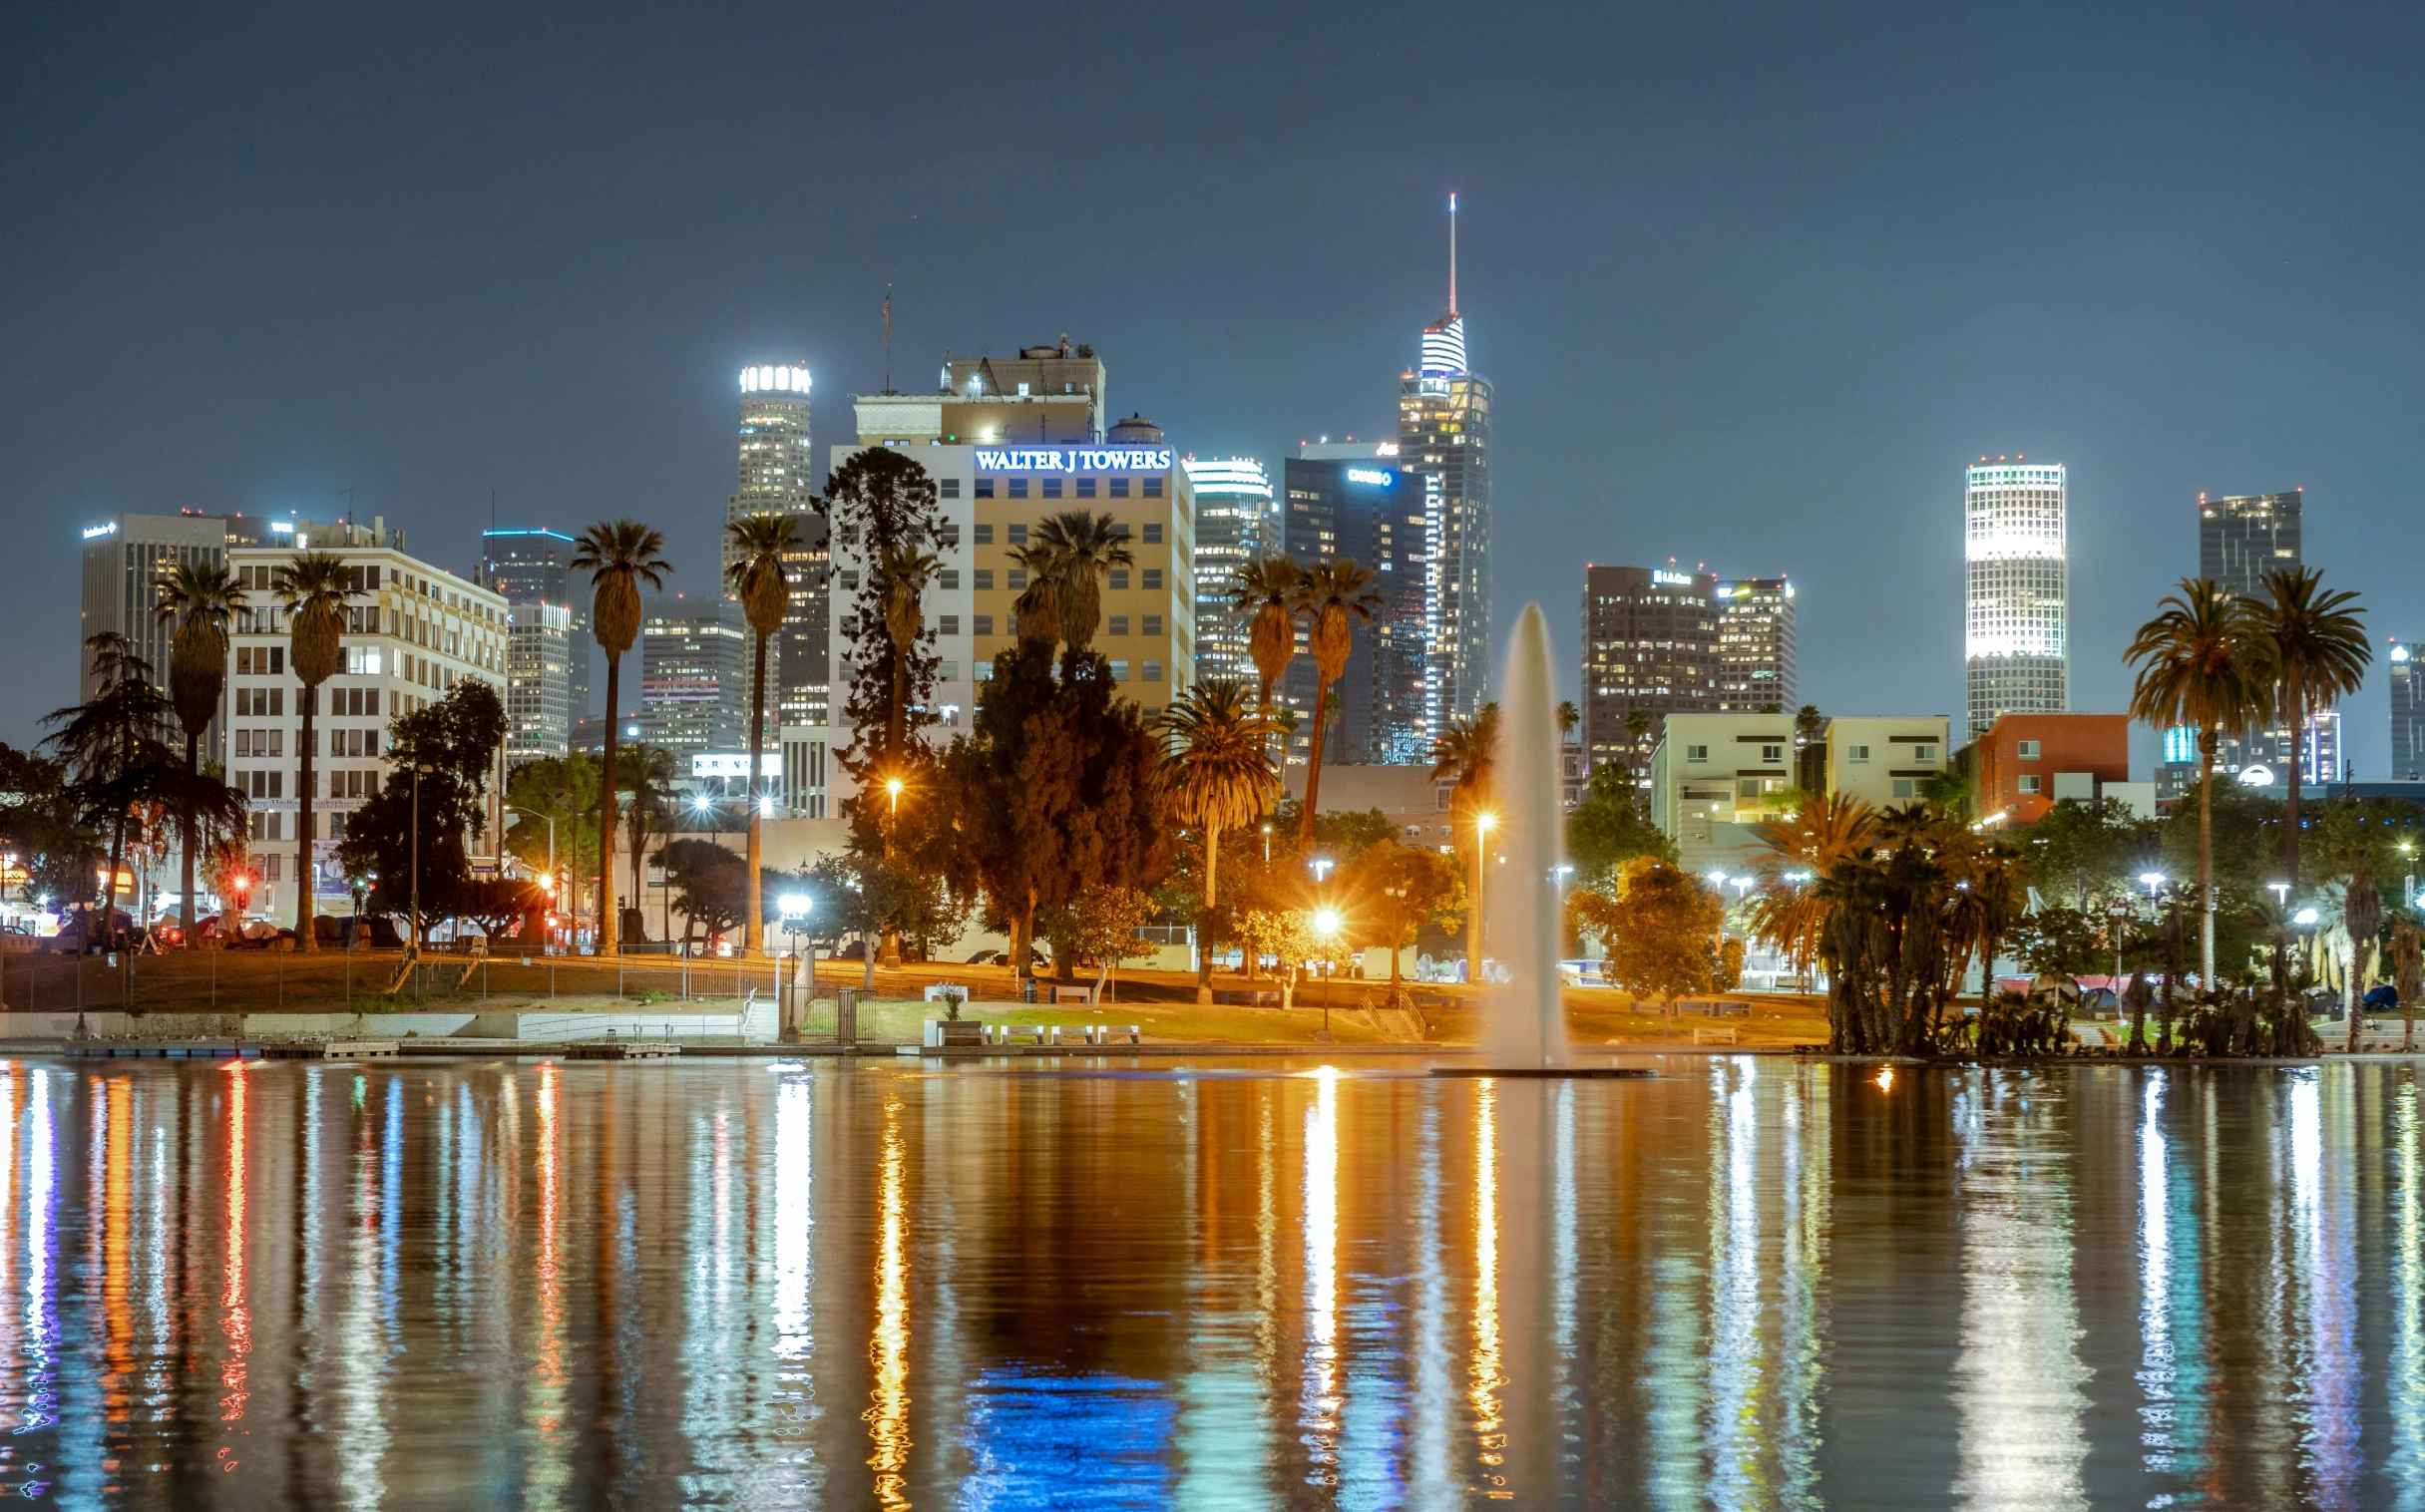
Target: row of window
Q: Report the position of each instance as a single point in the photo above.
(343, 703)
(1852, 753)
(1016, 578)
(1148, 671)
(1016, 488)
(353, 782)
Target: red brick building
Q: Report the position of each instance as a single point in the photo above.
(2025, 763)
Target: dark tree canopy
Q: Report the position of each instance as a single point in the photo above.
(458, 737)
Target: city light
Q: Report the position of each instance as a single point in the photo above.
(1325, 922)
(2304, 917)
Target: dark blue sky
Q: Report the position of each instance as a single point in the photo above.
(1753, 283)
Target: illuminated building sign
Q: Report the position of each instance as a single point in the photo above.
(1680, 580)
(1096, 459)
(736, 764)
(1366, 475)
(91, 532)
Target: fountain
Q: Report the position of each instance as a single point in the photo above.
(1525, 1017)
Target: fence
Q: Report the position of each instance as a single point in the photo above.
(201, 982)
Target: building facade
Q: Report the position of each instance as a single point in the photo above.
(1444, 443)
(1359, 503)
(124, 559)
(538, 683)
(1650, 646)
(778, 474)
(2016, 589)
(1755, 645)
(2242, 536)
(1235, 523)
(2027, 763)
(1713, 778)
(532, 567)
(2407, 715)
(694, 658)
(414, 632)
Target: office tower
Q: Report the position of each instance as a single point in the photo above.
(1651, 643)
(778, 474)
(694, 656)
(534, 567)
(1444, 437)
(2016, 589)
(2242, 536)
(1755, 645)
(2407, 716)
(538, 686)
(1359, 503)
(413, 634)
(1234, 523)
(124, 557)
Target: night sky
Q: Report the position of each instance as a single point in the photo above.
(1753, 283)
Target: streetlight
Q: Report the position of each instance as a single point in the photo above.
(515, 808)
(796, 908)
(1321, 867)
(2281, 892)
(1483, 824)
(1267, 846)
(2152, 880)
(1325, 928)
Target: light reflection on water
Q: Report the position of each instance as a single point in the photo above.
(1750, 1284)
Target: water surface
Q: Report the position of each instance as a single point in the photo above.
(1750, 1284)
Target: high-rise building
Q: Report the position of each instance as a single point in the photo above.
(2017, 590)
(1443, 440)
(124, 557)
(2407, 716)
(1650, 646)
(534, 567)
(2242, 536)
(1235, 523)
(694, 675)
(1755, 645)
(538, 683)
(778, 473)
(1358, 502)
(413, 633)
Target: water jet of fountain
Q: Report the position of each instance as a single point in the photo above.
(1520, 896)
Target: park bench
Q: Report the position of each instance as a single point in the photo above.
(1074, 995)
(1009, 1033)
(953, 1034)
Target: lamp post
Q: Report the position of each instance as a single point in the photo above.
(892, 794)
(1266, 848)
(1483, 824)
(514, 808)
(2408, 893)
(796, 908)
(1325, 928)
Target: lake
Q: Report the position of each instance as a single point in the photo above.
(1749, 1283)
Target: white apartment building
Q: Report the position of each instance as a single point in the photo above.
(1885, 760)
(414, 632)
(1714, 777)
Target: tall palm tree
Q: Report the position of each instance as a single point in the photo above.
(1332, 595)
(902, 574)
(1787, 910)
(2319, 653)
(2202, 662)
(1218, 774)
(619, 558)
(1038, 608)
(1267, 587)
(1569, 718)
(757, 579)
(1082, 549)
(1466, 754)
(202, 600)
(313, 588)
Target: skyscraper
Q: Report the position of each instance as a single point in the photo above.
(124, 557)
(2017, 588)
(1443, 441)
(694, 675)
(1650, 645)
(1755, 645)
(1234, 522)
(778, 473)
(532, 567)
(538, 683)
(1357, 502)
(2407, 716)
(2242, 536)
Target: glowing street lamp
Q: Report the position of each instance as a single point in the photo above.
(1322, 868)
(1326, 929)
(1483, 824)
(2152, 880)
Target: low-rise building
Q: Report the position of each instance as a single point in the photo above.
(2027, 763)
(1715, 776)
(1416, 803)
(1885, 760)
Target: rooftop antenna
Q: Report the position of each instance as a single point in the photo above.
(1452, 255)
(349, 492)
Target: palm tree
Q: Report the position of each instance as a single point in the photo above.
(1078, 551)
(2362, 917)
(649, 774)
(2318, 654)
(1036, 611)
(1466, 754)
(757, 579)
(2202, 662)
(1569, 718)
(1787, 910)
(902, 574)
(1218, 774)
(313, 588)
(619, 558)
(202, 597)
(113, 740)
(1267, 587)
(1332, 594)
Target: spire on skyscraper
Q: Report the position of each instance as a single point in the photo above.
(1443, 346)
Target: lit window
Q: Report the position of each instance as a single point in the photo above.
(2029, 752)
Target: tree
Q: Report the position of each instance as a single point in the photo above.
(1333, 595)
(2200, 663)
(619, 558)
(1467, 755)
(314, 588)
(1393, 892)
(1099, 924)
(494, 902)
(200, 598)
(648, 776)
(113, 741)
(2082, 851)
(1267, 590)
(563, 789)
(2362, 917)
(757, 577)
(1285, 935)
(452, 744)
(1569, 718)
(708, 882)
(1606, 830)
(39, 825)
(1216, 774)
(884, 509)
(2317, 651)
(1789, 911)
(2064, 940)
(2408, 957)
(1663, 931)
(1071, 554)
